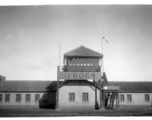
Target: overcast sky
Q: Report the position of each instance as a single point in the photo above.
(30, 37)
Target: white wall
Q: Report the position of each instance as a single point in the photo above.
(23, 102)
(137, 99)
(78, 90)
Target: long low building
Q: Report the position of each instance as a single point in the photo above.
(37, 93)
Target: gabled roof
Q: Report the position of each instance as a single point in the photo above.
(133, 87)
(82, 51)
(33, 86)
(42, 86)
(77, 83)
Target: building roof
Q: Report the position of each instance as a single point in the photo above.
(133, 87)
(77, 83)
(41, 86)
(10, 86)
(82, 52)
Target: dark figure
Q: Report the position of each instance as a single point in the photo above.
(106, 101)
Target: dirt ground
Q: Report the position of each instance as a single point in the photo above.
(36, 112)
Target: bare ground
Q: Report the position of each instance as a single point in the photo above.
(36, 112)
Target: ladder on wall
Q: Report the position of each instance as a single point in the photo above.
(111, 99)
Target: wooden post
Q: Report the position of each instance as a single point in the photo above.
(103, 100)
(95, 94)
(57, 95)
(100, 95)
(118, 100)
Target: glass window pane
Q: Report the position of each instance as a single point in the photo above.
(84, 96)
(37, 97)
(28, 97)
(122, 98)
(18, 97)
(129, 98)
(7, 97)
(1, 97)
(71, 96)
(146, 97)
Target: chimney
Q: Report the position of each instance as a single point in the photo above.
(2, 78)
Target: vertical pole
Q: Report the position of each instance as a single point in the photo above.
(101, 91)
(100, 94)
(57, 97)
(103, 100)
(118, 100)
(95, 94)
(102, 54)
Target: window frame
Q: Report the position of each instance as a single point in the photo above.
(147, 96)
(26, 100)
(129, 98)
(18, 97)
(85, 97)
(1, 98)
(37, 99)
(71, 97)
(121, 98)
(7, 97)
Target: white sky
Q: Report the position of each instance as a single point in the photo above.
(30, 38)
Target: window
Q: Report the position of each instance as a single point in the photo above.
(7, 98)
(28, 98)
(18, 97)
(129, 98)
(122, 98)
(147, 97)
(37, 97)
(71, 96)
(84, 96)
(1, 97)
